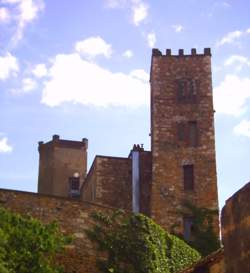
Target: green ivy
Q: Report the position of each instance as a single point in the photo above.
(135, 243)
(28, 246)
(204, 240)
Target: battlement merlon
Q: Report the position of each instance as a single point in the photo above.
(57, 142)
(157, 53)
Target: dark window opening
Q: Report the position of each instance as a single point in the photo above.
(188, 228)
(187, 91)
(74, 186)
(188, 177)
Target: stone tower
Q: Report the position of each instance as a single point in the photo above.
(62, 166)
(182, 136)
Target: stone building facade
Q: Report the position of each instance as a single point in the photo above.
(62, 166)
(180, 166)
(182, 135)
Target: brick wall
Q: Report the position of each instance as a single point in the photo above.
(110, 178)
(169, 153)
(72, 216)
(236, 231)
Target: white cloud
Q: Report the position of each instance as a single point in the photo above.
(232, 60)
(243, 128)
(8, 66)
(138, 8)
(151, 39)
(222, 5)
(128, 54)
(4, 15)
(93, 46)
(178, 28)
(140, 74)
(116, 3)
(40, 71)
(28, 85)
(5, 147)
(231, 37)
(140, 11)
(24, 12)
(231, 95)
(75, 80)
(237, 61)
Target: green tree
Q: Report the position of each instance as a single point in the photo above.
(27, 245)
(135, 243)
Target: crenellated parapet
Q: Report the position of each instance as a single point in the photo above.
(156, 52)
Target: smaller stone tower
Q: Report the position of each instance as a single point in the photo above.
(62, 166)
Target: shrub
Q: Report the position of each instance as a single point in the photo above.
(28, 246)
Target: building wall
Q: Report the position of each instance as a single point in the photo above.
(169, 154)
(236, 231)
(73, 218)
(145, 166)
(88, 189)
(59, 160)
(110, 179)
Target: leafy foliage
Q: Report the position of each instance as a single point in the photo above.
(135, 243)
(204, 238)
(28, 246)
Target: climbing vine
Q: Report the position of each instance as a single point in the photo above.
(204, 239)
(135, 243)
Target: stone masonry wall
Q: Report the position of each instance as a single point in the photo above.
(169, 154)
(72, 217)
(59, 160)
(236, 231)
(88, 189)
(111, 177)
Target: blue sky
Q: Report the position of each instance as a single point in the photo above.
(80, 69)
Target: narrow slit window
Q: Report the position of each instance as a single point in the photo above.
(188, 177)
(188, 228)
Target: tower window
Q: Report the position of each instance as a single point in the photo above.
(188, 177)
(187, 91)
(188, 228)
(74, 185)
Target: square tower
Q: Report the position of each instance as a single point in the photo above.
(62, 166)
(182, 136)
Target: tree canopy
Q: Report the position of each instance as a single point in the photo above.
(27, 245)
